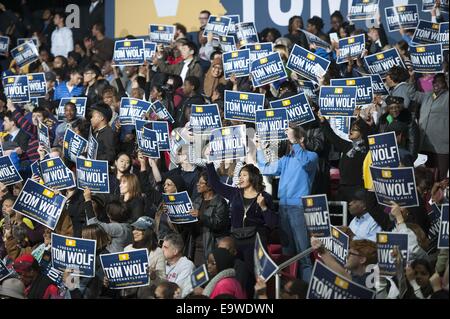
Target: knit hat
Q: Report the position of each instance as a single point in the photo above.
(224, 259)
(104, 109)
(13, 288)
(179, 182)
(25, 263)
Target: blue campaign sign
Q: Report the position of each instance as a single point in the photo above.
(149, 50)
(8, 172)
(4, 272)
(148, 143)
(384, 150)
(199, 276)
(129, 52)
(92, 147)
(363, 10)
(443, 229)
(80, 104)
(364, 91)
(228, 143)
(317, 215)
(24, 40)
(309, 88)
(427, 32)
(327, 284)
(178, 207)
(132, 109)
(205, 118)
(93, 174)
(395, 185)
(434, 216)
(74, 253)
(378, 85)
(227, 43)
(36, 169)
(427, 58)
(337, 245)
(37, 85)
(162, 112)
(162, 132)
(381, 63)
(246, 33)
(40, 203)
(271, 125)
(444, 35)
(265, 267)
(268, 70)
(236, 63)
(386, 242)
(162, 34)
(298, 109)
(25, 54)
(259, 50)
(16, 88)
(341, 124)
(427, 5)
(315, 40)
(44, 136)
(4, 45)
(398, 17)
(56, 174)
(242, 106)
(307, 64)
(351, 47)
(218, 26)
(337, 101)
(235, 19)
(126, 269)
(73, 145)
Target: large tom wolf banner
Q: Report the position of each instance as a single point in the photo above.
(123, 19)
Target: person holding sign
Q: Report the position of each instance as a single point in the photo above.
(70, 115)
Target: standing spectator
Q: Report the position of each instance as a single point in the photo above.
(103, 47)
(62, 40)
(103, 133)
(70, 116)
(296, 34)
(192, 96)
(15, 134)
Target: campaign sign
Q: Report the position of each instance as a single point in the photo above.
(227, 43)
(199, 277)
(246, 33)
(317, 215)
(363, 10)
(236, 63)
(162, 112)
(315, 40)
(427, 32)
(444, 35)
(8, 172)
(307, 64)
(4, 45)
(132, 109)
(80, 103)
(74, 253)
(386, 243)
(271, 125)
(399, 17)
(4, 272)
(235, 19)
(265, 267)
(126, 269)
(384, 150)
(242, 106)
(381, 63)
(427, 58)
(73, 145)
(341, 123)
(327, 284)
(395, 185)
(218, 26)
(92, 147)
(16, 88)
(378, 85)
(337, 245)
(162, 132)
(337, 101)
(435, 223)
(40, 203)
(93, 174)
(44, 136)
(364, 90)
(228, 143)
(205, 118)
(32, 39)
(259, 50)
(148, 143)
(56, 174)
(443, 229)
(36, 169)
(352, 47)
(427, 5)
(129, 52)
(179, 206)
(163, 34)
(37, 85)
(309, 88)
(1, 150)
(25, 54)
(298, 109)
(149, 50)
(268, 70)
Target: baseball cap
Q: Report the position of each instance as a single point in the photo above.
(143, 223)
(25, 263)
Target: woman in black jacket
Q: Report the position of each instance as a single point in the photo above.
(131, 196)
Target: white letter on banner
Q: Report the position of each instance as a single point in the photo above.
(248, 10)
(280, 17)
(73, 19)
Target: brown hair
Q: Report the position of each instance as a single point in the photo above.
(133, 184)
(96, 232)
(366, 248)
(226, 172)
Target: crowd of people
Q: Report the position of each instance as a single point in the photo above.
(233, 200)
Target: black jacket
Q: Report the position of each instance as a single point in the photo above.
(183, 113)
(106, 144)
(21, 139)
